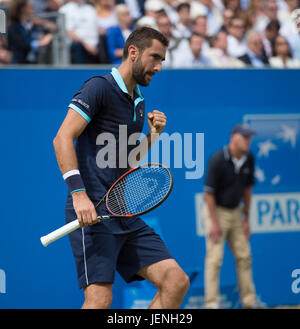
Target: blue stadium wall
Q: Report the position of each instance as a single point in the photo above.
(201, 105)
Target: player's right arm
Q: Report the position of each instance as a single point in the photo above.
(71, 128)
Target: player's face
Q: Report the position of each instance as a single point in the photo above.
(148, 63)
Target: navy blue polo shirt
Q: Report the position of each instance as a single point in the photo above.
(104, 102)
(226, 180)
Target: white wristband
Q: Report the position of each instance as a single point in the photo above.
(71, 173)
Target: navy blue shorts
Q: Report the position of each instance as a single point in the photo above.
(125, 245)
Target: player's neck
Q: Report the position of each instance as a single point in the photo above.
(126, 73)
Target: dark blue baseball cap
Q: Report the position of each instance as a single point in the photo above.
(243, 129)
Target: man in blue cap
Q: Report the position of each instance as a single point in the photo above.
(229, 181)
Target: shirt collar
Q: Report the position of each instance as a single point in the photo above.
(119, 80)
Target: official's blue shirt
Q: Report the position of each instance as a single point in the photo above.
(104, 102)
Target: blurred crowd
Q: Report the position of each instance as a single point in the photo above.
(202, 33)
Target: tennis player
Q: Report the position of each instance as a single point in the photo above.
(127, 245)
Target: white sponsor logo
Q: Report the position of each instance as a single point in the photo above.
(278, 212)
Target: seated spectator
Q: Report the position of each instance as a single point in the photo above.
(147, 21)
(218, 53)
(253, 14)
(24, 37)
(164, 25)
(183, 26)
(270, 13)
(282, 55)
(135, 7)
(292, 33)
(82, 29)
(234, 5)
(236, 43)
(213, 12)
(255, 55)
(285, 14)
(153, 8)
(200, 26)
(191, 56)
(5, 55)
(107, 16)
(228, 14)
(269, 36)
(170, 8)
(117, 35)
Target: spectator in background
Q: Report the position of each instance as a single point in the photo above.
(292, 33)
(236, 43)
(147, 21)
(255, 55)
(212, 11)
(170, 7)
(183, 26)
(282, 55)
(153, 8)
(82, 29)
(253, 14)
(218, 53)
(24, 37)
(270, 33)
(228, 15)
(191, 56)
(5, 55)
(135, 7)
(164, 26)
(107, 16)
(229, 180)
(117, 35)
(270, 13)
(234, 5)
(285, 14)
(200, 26)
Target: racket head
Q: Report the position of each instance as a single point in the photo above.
(139, 190)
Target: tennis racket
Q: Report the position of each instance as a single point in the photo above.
(135, 193)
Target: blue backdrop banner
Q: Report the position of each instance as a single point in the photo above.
(202, 106)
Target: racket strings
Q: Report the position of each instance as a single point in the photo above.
(139, 191)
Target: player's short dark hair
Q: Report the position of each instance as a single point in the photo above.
(142, 38)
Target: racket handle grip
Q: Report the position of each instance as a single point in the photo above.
(59, 233)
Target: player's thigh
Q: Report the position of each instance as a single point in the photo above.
(165, 272)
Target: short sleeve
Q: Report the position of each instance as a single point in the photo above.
(89, 99)
(211, 180)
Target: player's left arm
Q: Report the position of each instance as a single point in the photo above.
(157, 121)
(247, 200)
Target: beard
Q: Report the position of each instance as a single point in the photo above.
(138, 73)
